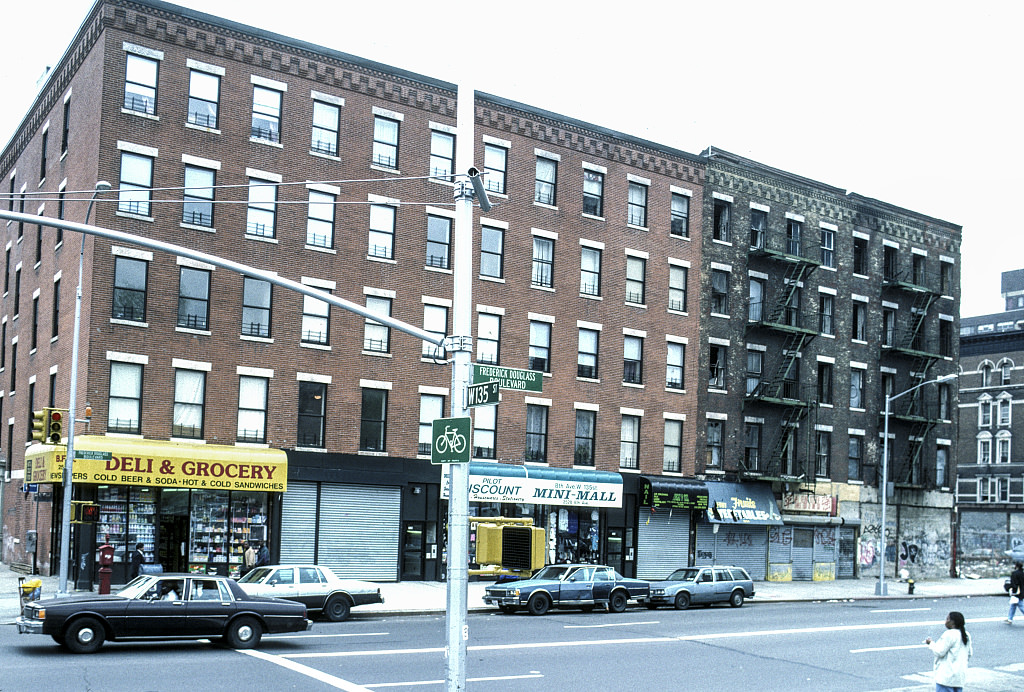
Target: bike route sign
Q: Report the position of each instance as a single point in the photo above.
(450, 441)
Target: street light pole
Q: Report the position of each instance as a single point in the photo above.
(65, 526)
(880, 588)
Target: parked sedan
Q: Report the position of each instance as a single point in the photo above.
(703, 585)
(163, 606)
(568, 586)
(318, 588)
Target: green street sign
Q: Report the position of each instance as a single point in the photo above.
(483, 394)
(509, 378)
(92, 455)
(449, 442)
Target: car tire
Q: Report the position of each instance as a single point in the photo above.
(84, 636)
(736, 599)
(243, 633)
(538, 604)
(682, 601)
(618, 602)
(337, 609)
(507, 609)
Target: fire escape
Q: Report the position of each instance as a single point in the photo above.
(776, 393)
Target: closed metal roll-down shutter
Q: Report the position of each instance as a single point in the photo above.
(743, 546)
(298, 515)
(358, 532)
(847, 552)
(803, 554)
(663, 543)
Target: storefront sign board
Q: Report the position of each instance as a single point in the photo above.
(540, 491)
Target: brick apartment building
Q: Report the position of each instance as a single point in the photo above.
(336, 171)
(990, 468)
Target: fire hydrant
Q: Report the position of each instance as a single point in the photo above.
(910, 586)
(106, 560)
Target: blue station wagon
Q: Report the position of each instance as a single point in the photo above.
(568, 586)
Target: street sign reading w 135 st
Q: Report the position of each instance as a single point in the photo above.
(482, 394)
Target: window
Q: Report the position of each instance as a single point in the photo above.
(945, 338)
(382, 231)
(674, 368)
(495, 167)
(485, 420)
(629, 442)
(828, 248)
(540, 346)
(714, 444)
(189, 404)
(590, 271)
(536, 433)
(203, 98)
(261, 216)
(680, 216)
(752, 446)
(677, 278)
(129, 289)
(755, 369)
(719, 291)
(944, 401)
(672, 457)
(326, 117)
(586, 355)
(266, 114)
(377, 336)
(593, 193)
(945, 278)
(256, 307)
(488, 337)
(1005, 370)
(636, 280)
(985, 450)
(858, 331)
(442, 155)
(140, 79)
(755, 302)
(194, 298)
(636, 205)
(985, 414)
(822, 453)
(758, 229)
(320, 220)
(385, 142)
(432, 408)
(855, 458)
(43, 141)
(125, 404)
(1004, 412)
(492, 252)
(543, 262)
(373, 420)
(1003, 450)
(252, 409)
(17, 291)
(824, 383)
(794, 229)
(633, 360)
(197, 209)
(890, 263)
(65, 136)
(312, 406)
(55, 315)
(316, 316)
(544, 184)
(439, 239)
(722, 212)
(941, 464)
(583, 453)
(860, 255)
(888, 327)
(918, 264)
(435, 321)
(856, 388)
(717, 360)
(986, 375)
(35, 323)
(792, 308)
(135, 184)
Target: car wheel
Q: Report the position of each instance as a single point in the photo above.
(84, 636)
(617, 603)
(736, 599)
(244, 633)
(337, 609)
(682, 600)
(507, 609)
(539, 604)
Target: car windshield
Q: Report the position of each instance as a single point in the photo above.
(555, 572)
(685, 574)
(255, 576)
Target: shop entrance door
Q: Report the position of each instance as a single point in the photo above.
(172, 552)
(412, 550)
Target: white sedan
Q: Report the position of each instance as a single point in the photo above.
(315, 587)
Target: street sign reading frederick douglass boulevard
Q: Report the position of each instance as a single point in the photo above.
(509, 378)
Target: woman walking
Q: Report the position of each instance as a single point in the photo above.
(952, 650)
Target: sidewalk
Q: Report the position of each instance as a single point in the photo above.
(431, 597)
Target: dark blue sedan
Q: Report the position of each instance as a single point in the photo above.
(568, 586)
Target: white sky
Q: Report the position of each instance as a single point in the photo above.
(914, 103)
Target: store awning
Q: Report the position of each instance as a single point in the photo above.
(542, 485)
(676, 493)
(161, 464)
(742, 503)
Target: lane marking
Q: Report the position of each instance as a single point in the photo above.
(888, 648)
(418, 683)
(614, 624)
(897, 610)
(275, 637)
(321, 676)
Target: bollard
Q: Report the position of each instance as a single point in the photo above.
(910, 586)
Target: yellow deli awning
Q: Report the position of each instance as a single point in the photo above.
(161, 464)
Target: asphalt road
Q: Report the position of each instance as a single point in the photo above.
(863, 645)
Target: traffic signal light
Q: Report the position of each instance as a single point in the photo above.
(54, 426)
(519, 548)
(40, 424)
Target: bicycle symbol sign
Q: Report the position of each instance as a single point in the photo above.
(450, 441)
